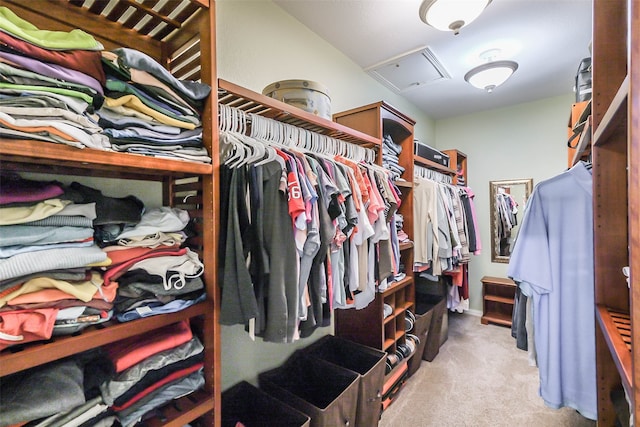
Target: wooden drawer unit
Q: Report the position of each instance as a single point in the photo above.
(498, 296)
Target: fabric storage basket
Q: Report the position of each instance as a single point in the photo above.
(309, 96)
(327, 393)
(368, 362)
(437, 305)
(253, 407)
(421, 330)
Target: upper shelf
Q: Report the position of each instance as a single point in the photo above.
(252, 102)
(615, 117)
(168, 32)
(421, 161)
(38, 156)
(119, 20)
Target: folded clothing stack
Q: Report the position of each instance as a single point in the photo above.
(390, 153)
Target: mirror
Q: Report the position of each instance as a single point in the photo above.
(508, 199)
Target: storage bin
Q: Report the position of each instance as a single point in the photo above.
(430, 153)
(325, 392)
(583, 81)
(253, 407)
(368, 362)
(309, 96)
(423, 314)
(437, 305)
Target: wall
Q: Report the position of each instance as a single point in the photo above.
(521, 141)
(258, 44)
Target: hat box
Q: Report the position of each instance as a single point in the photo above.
(309, 96)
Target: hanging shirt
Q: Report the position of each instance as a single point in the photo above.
(553, 261)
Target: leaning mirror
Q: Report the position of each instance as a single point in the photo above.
(508, 199)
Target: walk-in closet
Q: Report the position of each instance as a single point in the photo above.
(308, 213)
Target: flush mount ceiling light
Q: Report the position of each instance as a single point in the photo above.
(451, 15)
(491, 75)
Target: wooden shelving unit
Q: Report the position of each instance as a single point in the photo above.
(369, 326)
(457, 162)
(498, 298)
(615, 149)
(166, 40)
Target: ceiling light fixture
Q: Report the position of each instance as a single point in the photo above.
(491, 75)
(451, 15)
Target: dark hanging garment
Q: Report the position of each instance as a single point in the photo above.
(238, 303)
(282, 289)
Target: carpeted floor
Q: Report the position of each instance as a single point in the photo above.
(478, 379)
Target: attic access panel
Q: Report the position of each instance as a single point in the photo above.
(409, 70)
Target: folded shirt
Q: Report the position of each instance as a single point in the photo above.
(48, 39)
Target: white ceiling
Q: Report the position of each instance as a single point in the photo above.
(547, 38)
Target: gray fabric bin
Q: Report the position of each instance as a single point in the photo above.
(253, 407)
(368, 362)
(325, 392)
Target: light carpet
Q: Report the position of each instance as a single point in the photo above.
(478, 379)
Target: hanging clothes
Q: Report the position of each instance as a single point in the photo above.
(311, 235)
(507, 210)
(552, 263)
(446, 234)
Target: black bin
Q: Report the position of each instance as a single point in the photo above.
(255, 408)
(327, 393)
(367, 362)
(424, 314)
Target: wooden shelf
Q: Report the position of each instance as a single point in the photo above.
(403, 184)
(398, 285)
(399, 311)
(499, 318)
(615, 117)
(421, 161)
(46, 157)
(252, 102)
(180, 411)
(495, 298)
(406, 245)
(388, 343)
(616, 328)
(41, 352)
(389, 318)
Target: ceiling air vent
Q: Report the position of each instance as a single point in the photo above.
(409, 70)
